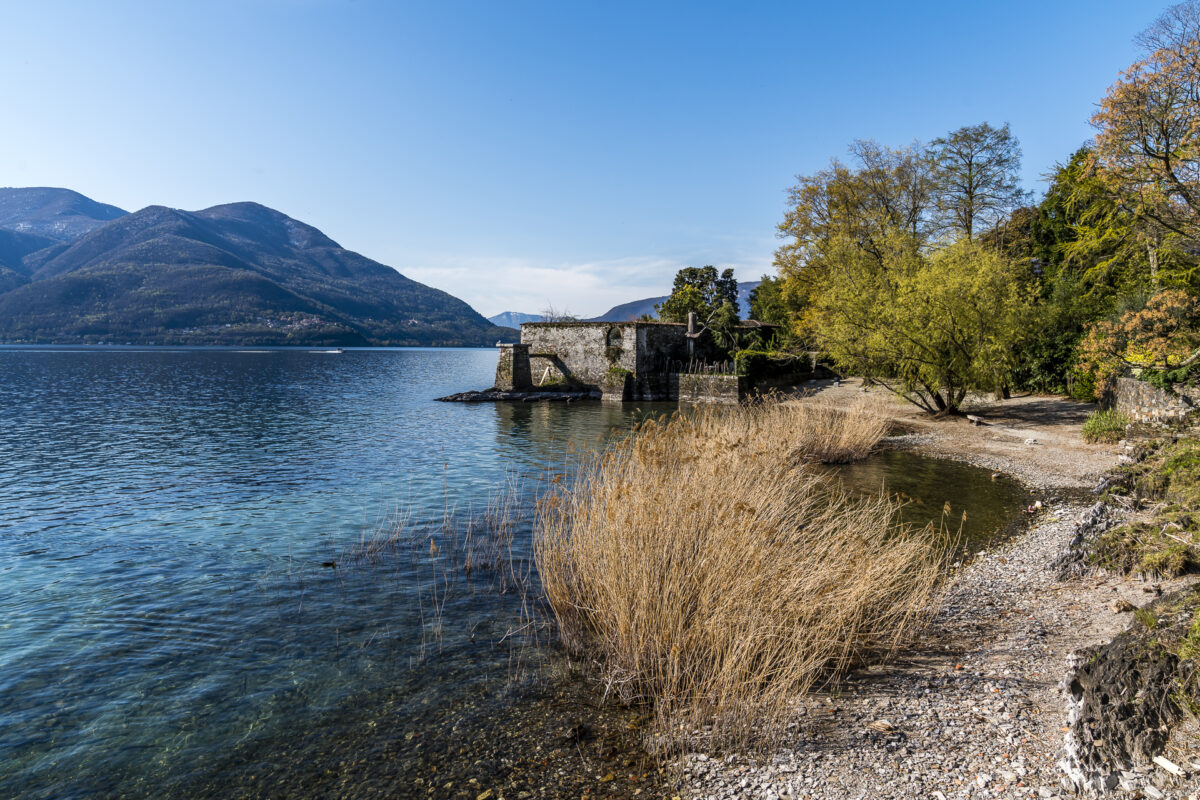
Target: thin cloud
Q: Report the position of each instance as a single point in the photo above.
(492, 285)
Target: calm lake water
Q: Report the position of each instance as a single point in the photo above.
(182, 611)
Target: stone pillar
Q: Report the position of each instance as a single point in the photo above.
(617, 386)
(512, 370)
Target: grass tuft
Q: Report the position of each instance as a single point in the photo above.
(1107, 426)
(713, 574)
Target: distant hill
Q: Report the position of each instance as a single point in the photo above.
(636, 308)
(58, 214)
(514, 319)
(232, 274)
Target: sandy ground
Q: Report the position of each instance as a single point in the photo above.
(975, 708)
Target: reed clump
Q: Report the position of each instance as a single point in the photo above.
(715, 574)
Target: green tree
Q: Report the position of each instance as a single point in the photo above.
(849, 208)
(701, 290)
(1147, 151)
(932, 328)
(976, 177)
(767, 303)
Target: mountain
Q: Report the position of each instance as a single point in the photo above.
(232, 274)
(514, 319)
(58, 214)
(634, 309)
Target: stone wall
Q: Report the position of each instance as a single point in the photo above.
(1146, 403)
(662, 353)
(625, 360)
(583, 352)
(512, 368)
(622, 360)
(697, 388)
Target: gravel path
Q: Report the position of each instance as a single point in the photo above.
(1034, 438)
(975, 708)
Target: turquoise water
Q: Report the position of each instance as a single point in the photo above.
(165, 616)
(185, 610)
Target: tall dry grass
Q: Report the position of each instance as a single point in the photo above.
(717, 575)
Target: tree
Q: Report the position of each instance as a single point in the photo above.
(767, 303)
(856, 207)
(1162, 337)
(930, 327)
(552, 314)
(1148, 146)
(976, 176)
(700, 290)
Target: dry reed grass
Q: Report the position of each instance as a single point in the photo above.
(715, 574)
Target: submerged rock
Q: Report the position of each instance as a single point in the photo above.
(495, 395)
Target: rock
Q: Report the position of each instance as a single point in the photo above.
(1073, 561)
(1169, 766)
(496, 395)
(1123, 697)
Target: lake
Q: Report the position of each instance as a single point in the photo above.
(190, 605)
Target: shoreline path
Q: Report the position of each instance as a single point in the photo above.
(974, 708)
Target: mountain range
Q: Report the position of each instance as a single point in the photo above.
(514, 319)
(626, 312)
(74, 270)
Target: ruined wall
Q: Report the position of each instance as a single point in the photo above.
(579, 351)
(625, 360)
(697, 388)
(512, 368)
(662, 353)
(1146, 403)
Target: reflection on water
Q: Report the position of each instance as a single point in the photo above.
(984, 507)
(177, 615)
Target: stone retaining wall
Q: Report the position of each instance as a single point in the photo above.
(696, 388)
(1146, 403)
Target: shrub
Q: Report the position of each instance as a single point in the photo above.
(714, 575)
(1163, 337)
(1164, 540)
(1083, 387)
(1106, 425)
(760, 364)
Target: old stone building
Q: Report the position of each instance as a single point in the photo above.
(620, 360)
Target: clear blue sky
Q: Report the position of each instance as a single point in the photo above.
(520, 154)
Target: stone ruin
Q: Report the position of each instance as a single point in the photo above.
(619, 361)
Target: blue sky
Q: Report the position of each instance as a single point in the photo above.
(526, 154)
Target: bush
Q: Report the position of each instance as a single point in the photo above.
(760, 364)
(1083, 387)
(1107, 425)
(1164, 540)
(714, 576)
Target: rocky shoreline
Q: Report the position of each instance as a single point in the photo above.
(982, 705)
(496, 395)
